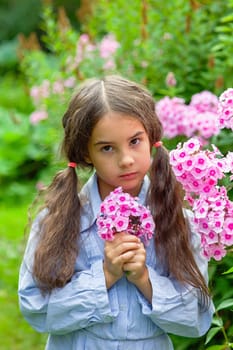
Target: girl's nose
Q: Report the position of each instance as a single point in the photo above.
(125, 160)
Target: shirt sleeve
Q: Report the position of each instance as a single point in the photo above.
(81, 303)
(175, 308)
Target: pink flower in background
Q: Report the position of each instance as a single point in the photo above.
(225, 109)
(70, 82)
(108, 46)
(58, 87)
(37, 116)
(40, 92)
(121, 212)
(175, 117)
(170, 79)
(205, 101)
(199, 171)
(109, 64)
(40, 185)
(197, 118)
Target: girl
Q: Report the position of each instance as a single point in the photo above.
(72, 283)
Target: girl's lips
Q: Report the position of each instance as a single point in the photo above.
(128, 176)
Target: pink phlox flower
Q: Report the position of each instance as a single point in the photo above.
(171, 113)
(201, 160)
(84, 39)
(205, 101)
(37, 116)
(216, 251)
(201, 207)
(110, 209)
(84, 49)
(170, 79)
(192, 145)
(229, 162)
(217, 201)
(180, 155)
(227, 234)
(58, 87)
(216, 222)
(40, 92)
(227, 238)
(228, 225)
(121, 212)
(207, 124)
(209, 237)
(225, 109)
(198, 118)
(199, 171)
(108, 46)
(120, 223)
(70, 82)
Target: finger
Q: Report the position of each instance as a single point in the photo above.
(125, 237)
(123, 258)
(120, 248)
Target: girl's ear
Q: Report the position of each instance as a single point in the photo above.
(88, 160)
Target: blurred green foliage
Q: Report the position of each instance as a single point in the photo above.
(177, 36)
(16, 333)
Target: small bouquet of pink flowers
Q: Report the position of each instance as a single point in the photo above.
(121, 212)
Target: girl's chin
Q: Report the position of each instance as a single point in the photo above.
(133, 190)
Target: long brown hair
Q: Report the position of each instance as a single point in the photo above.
(57, 249)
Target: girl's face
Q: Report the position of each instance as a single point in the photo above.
(119, 150)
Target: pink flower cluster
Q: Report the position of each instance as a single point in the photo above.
(37, 116)
(198, 118)
(121, 212)
(86, 49)
(225, 109)
(199, 172)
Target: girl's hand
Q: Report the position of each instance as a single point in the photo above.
(136, 265)
(118, 252)
(138, 272)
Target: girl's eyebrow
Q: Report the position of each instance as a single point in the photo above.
(102, 142)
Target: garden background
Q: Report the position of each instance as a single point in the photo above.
(176, 48)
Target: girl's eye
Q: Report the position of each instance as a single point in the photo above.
(106, 148)
(135, 141)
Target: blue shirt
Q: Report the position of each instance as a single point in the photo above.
(84, 315)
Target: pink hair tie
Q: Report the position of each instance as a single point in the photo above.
(158, 144)
(72, 164)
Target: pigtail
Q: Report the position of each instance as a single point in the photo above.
(172, 239)
(166, 205)
(56, 251)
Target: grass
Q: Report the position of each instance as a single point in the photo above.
(16, 333)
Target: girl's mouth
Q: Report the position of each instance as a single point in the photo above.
(128, 176)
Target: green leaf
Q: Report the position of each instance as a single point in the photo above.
(216, 347)
(223, 29)
(228, 18)
(225, 304)
(217, 322)
(212, 333)
(228, 271)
